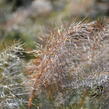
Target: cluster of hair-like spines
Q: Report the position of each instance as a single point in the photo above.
(73, 58)
(13, 90)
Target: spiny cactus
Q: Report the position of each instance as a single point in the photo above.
(13, 91)
(72, 69)
(73, 59)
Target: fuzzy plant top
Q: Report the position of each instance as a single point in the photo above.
(72, 58)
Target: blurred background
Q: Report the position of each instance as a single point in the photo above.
(27, 20)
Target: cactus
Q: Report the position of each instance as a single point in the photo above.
(70, 70)
(73, 60)
(12, 79)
